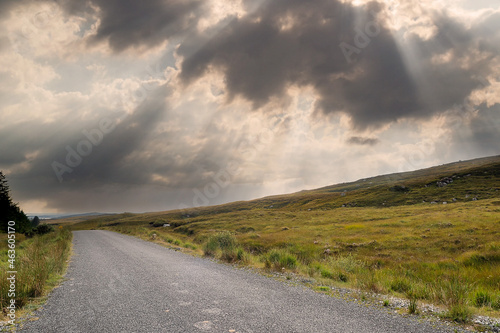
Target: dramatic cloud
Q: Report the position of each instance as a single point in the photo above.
(125, 24)
(348, 55)
(161, 104)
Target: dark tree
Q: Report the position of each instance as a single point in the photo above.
(10, 211)
(35, 222)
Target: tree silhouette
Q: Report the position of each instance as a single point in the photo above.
(35, 222)
(10, 211)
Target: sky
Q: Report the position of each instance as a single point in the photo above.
(136, 106)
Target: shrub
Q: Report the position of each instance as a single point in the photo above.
(482, 298)
(225, 245)
(210, 247)
(241, 255)
(279, 259)
(224, 241)
(327, 274)
(41, 229)
(458, 313)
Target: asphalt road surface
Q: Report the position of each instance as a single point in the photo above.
(117, 283)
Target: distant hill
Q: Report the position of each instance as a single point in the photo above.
(457, 182)
(54, 216)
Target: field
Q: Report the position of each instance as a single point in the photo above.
(430, 236)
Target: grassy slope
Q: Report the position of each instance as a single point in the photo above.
(40, 263)
(378, 236)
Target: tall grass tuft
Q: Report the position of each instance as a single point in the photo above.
(482, 298)
(38, 260)
(279, 259)
(454, 295)
(224, 245)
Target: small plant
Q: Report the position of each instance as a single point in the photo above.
(458, 313)
(177, 242)
(326, 274)
(241, 255)
(412, 307)
(482, 298)
(495, 305)
(342, 277)
(386, 302)
(225, 246)
(279, 259)
(400, 285)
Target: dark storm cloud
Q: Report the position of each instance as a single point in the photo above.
(260, 60)
(482, 134)
(126, 159)
(107, 163)
(130, 23)
(357, 140)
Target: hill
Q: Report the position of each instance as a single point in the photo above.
(458, 182)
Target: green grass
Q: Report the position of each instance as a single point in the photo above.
(40, 263)
(383, 240)
(280, 259)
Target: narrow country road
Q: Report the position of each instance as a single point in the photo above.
(117, 283)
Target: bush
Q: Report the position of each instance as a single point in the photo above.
(210, 247)
(42, 229)
(225, 246)
(326, 274)
(458, 313)
(482, 298)
(279, 259)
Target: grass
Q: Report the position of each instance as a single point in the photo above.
(280, 259)
(373, 238)
(40, 263)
